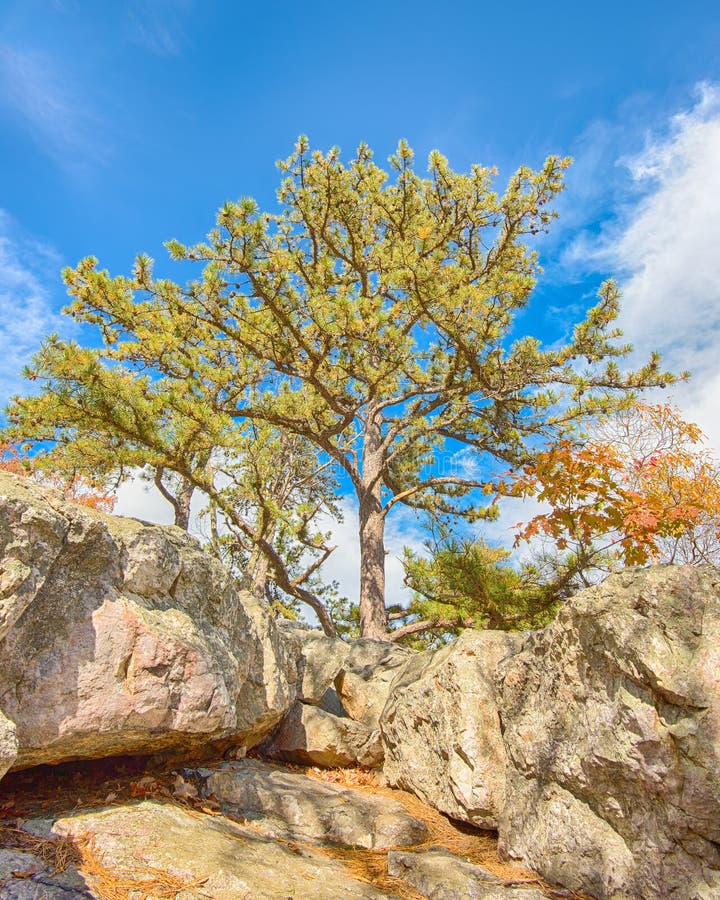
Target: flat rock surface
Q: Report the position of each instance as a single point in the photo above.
(215, 857)
(298, 807)
(441, 875)
(156, 826)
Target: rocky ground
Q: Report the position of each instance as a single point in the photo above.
(122, 829)
(592, 746)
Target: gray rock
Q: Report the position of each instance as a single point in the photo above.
(331, 703)
(440, 875)
(441, 728)
(363, 684)
(311, 736)
(611, 720)
(298, 807)
(31, 533)
(236, 863)
(323, 659)
(123, 637)
(343, 688)
(8, 744)
(320, 658)
(25, 876)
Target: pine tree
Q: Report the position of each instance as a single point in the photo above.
(370, 316)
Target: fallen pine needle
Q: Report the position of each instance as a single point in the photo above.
(135, 883)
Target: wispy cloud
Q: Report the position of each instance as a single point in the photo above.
(27, 311)
(40, 96)
(663, 244)
(670, 251)
(158, 25)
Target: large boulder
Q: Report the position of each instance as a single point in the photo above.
(313, 736)
(441, 728)
(300, 808)
(343, 687)
(364, 682)
(319, 657)
(122, 637)
(325, 663)
(611, 721)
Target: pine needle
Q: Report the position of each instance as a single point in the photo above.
(134, 883)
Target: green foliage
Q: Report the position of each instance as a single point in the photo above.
(466, 584)
(370, 317)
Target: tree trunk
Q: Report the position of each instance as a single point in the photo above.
(179, 498)
(373, 614)
(259, 575)
(182, 507)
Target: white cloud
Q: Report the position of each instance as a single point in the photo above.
(28, 270)
(670, 249)
(55, 114)
(664, 245)
(140, 499)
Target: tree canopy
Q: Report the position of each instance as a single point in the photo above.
(373, 316)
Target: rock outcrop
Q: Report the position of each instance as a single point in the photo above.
(441, 728)
(326, 662)
(364, 682)
(122, 637)
(312, 736)
(297, 807)
(592, 745)
(611, 722)
(343, 689)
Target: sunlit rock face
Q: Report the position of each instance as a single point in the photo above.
(611, 724)
(121, 637)
(441, 727)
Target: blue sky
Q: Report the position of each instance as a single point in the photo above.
(123, 124)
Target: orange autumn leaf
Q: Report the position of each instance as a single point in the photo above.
(76, 489)
(642, 479)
